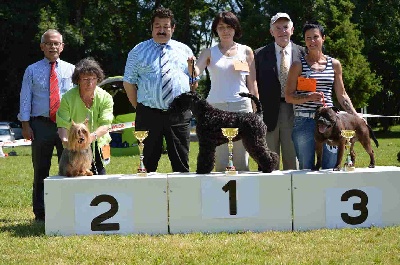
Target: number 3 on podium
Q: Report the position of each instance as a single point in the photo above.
(356, 207)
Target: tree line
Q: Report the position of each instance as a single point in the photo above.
(363, 34)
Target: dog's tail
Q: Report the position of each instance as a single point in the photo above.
(372, 135)
(255, 99)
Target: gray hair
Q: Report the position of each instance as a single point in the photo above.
(50, 31)
(87, 66)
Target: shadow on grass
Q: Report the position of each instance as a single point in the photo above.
(387, 135)
(21, 228)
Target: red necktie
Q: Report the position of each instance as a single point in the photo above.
(54, 92)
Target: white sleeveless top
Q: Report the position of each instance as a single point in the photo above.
(226, 83)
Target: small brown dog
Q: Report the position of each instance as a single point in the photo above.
(76, 158)
(330, 122)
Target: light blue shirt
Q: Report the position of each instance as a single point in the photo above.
(35, 90)
(143, 69)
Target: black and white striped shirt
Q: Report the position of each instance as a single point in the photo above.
(325, 81)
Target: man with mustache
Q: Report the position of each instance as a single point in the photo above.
(155, 73)
(271, 81)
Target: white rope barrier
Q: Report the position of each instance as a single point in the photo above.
(366, 115)
(131, 124)
(20, 142)
(24, 142)
(121, 126)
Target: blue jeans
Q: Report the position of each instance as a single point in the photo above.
(304, 144)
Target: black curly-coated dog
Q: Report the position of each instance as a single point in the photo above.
(252, 131)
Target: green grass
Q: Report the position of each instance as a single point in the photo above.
(23, 241)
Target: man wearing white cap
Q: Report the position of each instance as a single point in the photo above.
(272, 66)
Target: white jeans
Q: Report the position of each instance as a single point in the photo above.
(240, 156)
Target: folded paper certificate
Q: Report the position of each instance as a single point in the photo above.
(306, 84)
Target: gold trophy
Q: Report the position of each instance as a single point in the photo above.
(230, 133)
(348, 134)
(140, 136)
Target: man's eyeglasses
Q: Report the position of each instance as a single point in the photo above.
(55, 44)
(89, 80)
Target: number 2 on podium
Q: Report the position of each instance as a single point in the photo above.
(98, 222)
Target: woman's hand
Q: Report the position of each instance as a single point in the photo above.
(316, 96)
(93, 137)
(191, 59)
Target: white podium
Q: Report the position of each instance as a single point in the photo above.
(336, 199)
(114, 204)
(215, 202)
(250, 201)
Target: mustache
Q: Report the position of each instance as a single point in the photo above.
(162, 33)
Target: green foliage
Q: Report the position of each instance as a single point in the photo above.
(344, 43)
(364, 40)
(255, 24)
(380, 23)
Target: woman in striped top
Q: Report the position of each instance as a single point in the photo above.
(327, 72)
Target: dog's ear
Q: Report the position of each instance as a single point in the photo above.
(319, 108)
(335, 109)
(73, 123)
(317, 112)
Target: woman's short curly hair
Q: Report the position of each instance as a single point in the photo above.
(87, 66)
(228, 18)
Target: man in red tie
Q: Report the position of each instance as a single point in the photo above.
(43, 84)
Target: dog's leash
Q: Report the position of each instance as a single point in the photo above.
(323, 100)
(192, 76)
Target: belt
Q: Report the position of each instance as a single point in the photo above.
(154, 109)
(41, 118)
(304, 114)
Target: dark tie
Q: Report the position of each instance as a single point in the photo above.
(165, 75)
(54, 92)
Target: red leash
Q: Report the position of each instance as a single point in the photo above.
(323, 100)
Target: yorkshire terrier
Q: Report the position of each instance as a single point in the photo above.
(76, 159)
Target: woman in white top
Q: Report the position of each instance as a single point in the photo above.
(232, 70)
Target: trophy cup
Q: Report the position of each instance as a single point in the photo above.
(230, 133)
(140, 136)
(348, 134)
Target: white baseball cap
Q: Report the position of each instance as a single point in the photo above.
(278, 16)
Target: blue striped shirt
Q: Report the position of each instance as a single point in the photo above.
(325, 81)
(143, 69)
(35, 90)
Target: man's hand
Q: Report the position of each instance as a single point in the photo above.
(27, 131)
